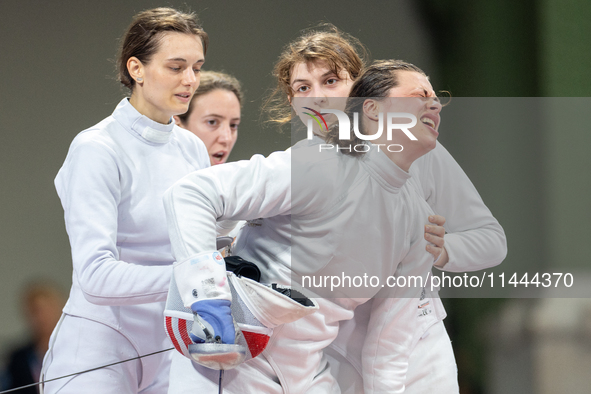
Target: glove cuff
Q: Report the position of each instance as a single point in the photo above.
(202, 277)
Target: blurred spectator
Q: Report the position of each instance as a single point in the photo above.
(42, 304)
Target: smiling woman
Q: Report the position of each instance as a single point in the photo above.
(403, 88)
(339, 208)
(111, 186)
(335, 207)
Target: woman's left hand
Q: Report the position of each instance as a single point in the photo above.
(434, 234)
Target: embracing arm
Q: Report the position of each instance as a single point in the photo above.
(475, 239)
(244, 190)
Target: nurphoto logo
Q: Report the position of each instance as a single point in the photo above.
(344, 125)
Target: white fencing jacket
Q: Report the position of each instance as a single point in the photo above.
(111, 186)
(474, 240)
(323, 214)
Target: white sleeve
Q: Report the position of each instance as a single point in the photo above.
(244, 190)
(475, 239)
(89, 188)
(229, 227)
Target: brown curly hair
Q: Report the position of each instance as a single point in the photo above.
(326, 43)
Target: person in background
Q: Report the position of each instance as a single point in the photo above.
(41, 303)
(214, 114)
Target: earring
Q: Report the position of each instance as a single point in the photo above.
(140, 79)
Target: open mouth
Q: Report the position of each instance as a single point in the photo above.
(428, 121)
(219, 156)
(184, 96)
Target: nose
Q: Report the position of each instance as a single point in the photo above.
(319, 100)
(225, 134)
(320, 96)
(189, 77)
(435, 104)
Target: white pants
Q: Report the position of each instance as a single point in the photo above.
(252, 377)
(432, 366)
(255, 376)
(79, 344)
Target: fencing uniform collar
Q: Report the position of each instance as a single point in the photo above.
(141, 126)
(388, 174)
(384, 170)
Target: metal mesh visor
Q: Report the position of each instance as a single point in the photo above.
(240, 311)
(178, 320)
(174, 303)
(250, 331)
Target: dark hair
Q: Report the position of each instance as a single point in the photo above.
(142, 38)
(339, 50)
(374, 82)
(210, 81)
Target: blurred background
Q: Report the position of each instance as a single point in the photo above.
(57, 78)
